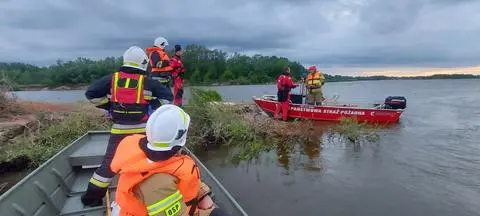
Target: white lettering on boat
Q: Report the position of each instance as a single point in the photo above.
(328, 111)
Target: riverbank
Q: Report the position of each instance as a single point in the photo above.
(39, 130)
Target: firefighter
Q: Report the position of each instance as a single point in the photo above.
(284, 85)
(127, 95)
(178, 73)
(314, 83)
(160, 68)
(155, 177)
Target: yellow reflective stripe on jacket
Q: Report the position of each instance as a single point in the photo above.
(139, 88)
(115, 86)
(127, 131)
(127, 82)
(162, 205)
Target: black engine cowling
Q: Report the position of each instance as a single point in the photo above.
(395, 102)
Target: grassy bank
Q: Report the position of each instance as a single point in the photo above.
(46, 129)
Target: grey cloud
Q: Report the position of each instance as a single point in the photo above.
(331, 32)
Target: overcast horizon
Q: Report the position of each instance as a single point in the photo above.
(347, 37)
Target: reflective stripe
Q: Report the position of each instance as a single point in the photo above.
(101, 178)
(148, 97)
(126, 112)
(139, 88)
(164, 204)
(161, 79)
(183, 116)
(127, 131)
(127, 82)
(99, 183)
(115, 86)
(161, 145)
(131, 64)
(146, 92)
(99, 101)
(122, 126)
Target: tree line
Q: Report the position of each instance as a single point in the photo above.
(204, 66)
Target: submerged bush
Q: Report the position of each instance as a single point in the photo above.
(216, 124)
(354, 132)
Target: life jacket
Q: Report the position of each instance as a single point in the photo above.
(314, 80)
(129, 102)
(133, 167)
(178, 69)
(163, 57)
(284, 83)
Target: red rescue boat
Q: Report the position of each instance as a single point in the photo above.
(386, 113)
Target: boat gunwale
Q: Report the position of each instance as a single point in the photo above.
(43, 165)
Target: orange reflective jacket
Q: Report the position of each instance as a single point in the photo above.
(163, 57)
(133, 166)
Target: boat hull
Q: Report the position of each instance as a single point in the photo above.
(55, 187)
(333, 113)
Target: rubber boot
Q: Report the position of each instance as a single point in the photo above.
(93, 196)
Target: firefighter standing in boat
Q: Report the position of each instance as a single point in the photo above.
(160, 68)
(178, 72)
(127, 94)
(155, 178)
(314, 83)
(284, 85)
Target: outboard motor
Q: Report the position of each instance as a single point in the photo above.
(395, 102)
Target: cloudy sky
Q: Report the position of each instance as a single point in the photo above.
(341, 36)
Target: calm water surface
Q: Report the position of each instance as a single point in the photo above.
(429, 164)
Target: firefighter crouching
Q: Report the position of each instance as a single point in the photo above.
(160, 68)
(127, 95)
(314, 83)
(155, 178)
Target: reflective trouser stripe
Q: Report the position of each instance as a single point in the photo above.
(125, 112)
(122, 126)
(162, 205)
(99, 101)
(128, 129)
(101, 178)
(99, 183)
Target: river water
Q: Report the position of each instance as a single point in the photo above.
(428, 164)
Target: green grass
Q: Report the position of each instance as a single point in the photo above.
(53, 134)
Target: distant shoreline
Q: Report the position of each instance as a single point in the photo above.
(40, 87)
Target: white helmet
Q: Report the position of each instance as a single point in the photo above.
(135, 57)
(167, 127)
(160, 42)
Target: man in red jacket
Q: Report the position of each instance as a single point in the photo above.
(284, 85)
(178, 72)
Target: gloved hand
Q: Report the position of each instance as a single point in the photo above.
(203, 191)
